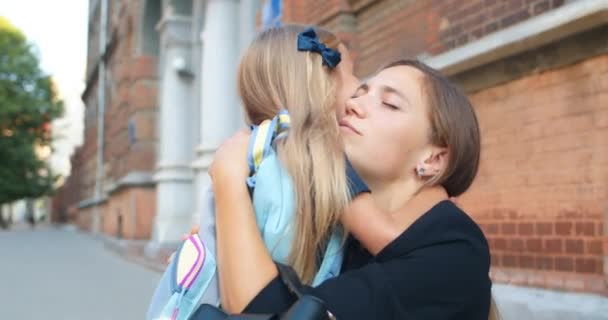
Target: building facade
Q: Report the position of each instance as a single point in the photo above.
(536, 71)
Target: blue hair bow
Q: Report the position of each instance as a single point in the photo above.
(308, 41)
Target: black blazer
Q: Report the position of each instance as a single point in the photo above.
(436, 269)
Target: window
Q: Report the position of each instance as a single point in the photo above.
(272, 13)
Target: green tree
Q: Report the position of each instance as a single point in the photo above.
(28, 104)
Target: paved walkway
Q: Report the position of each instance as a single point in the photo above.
(49, 273)
(61, 274)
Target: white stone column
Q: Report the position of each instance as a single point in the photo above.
(247, 24)
(220, 111)
(174, 176)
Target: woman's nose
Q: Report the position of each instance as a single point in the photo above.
(353, 107)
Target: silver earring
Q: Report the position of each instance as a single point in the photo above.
(420, 171)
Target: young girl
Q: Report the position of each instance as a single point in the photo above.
(293, 83)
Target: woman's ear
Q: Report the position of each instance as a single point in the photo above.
(434, 164)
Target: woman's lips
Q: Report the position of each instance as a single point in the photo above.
(345, 124)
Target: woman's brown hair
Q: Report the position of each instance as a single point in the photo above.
(453, 126)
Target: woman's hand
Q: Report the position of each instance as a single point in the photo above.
(230, 159)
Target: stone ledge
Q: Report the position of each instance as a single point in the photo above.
(540, 304)
(552, 280)
(137, 252)
(91, 202)
(132, 179)
(569, 19)
(567, 51)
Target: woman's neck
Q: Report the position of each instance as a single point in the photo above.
(393, 197)
(390, 196)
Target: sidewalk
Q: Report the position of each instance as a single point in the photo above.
(140, 252)
(514, 302)
(55, 272)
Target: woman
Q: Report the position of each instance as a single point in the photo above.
(414, 139)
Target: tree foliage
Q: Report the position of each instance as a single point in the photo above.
(28, 104)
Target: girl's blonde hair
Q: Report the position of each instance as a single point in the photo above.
(272, 75)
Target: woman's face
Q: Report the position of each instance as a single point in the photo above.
(386, 127)
(346, 81)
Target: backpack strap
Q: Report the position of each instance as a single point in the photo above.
(262, 140)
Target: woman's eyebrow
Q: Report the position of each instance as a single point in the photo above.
(364, 86)
(389, 89)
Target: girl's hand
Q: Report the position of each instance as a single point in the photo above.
(230, 159)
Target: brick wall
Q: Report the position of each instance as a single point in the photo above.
(541, 195)
(132, 99)
(386, 30)
(131, 103)
(128, 214)
(544, 176)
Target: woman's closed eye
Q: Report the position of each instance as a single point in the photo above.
(360, 91)
(357, 94)
(390, 105)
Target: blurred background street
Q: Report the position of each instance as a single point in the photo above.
(61, 273)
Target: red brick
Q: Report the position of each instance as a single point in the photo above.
(574, 246)
(564, 264)
(534, 245)
(144, 67)
(544, 263)
(490, 27)
(525, 229)
(509, 261)
(514, 5)
(563, 228)
(587, 265)
(526, 262)
(553, 245)
(593, 247)
(500, 244)
(462, 40)
(544, 228)
(516, 245)
(514, 18)
(508, 228)
(557, 3)
(498, 11)
(542, 7)
(498, 214)
(585, 229)
(144, 95)
(489, 228)
(495, 260)
(477, 33)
